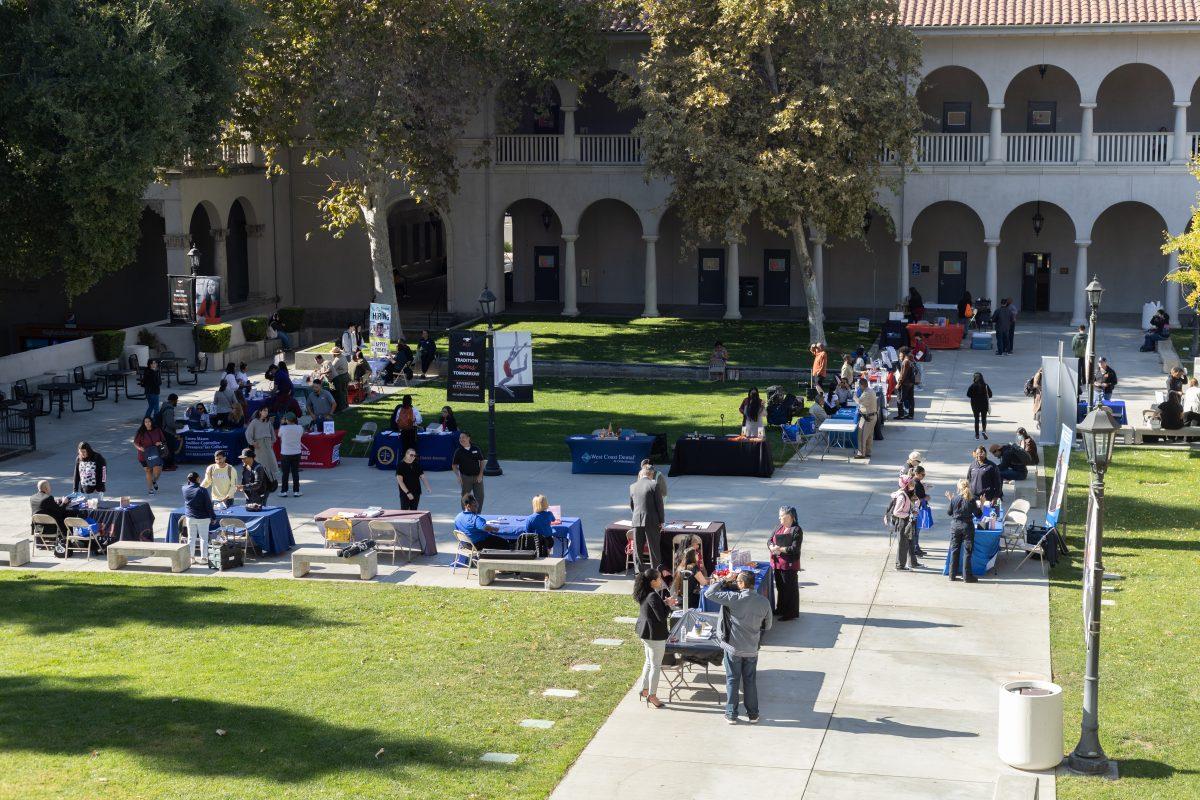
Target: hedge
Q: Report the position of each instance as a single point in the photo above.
(108, 345)
(214, 338)
(254, 328)
(291, 318)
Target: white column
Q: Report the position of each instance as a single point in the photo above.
(732, 311)
(1079, 313)
(1087, 141)
(995, 137)
(1182, 140)
(570, 309)
(903, 285)
(991, 282)
(568, 139)
(221, 263)
(1171, 302)
(651, 307)
(818, 261)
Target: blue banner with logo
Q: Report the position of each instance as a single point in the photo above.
(596, 456)
(436, 450)
(197, 447)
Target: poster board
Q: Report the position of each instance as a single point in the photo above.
(380, 330)
(512, 366)
(1062, 463)
(181, 300)
(464, 382)
(1059, 397)
(208, 298)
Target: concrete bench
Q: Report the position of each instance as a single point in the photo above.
(119, 554)
(18, 550)
(304, 557)
(1139, 433)
(555, 569)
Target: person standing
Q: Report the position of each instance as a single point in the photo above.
(199, 515)
(220, 478)
(648, 515)
(152, 382)
(1079, 350)
(290, 437)
(224, 399)
(467, 464)
(260, 434)
(351, 340)
(652, 627)
(906, 405)
(868, 415)
(149, 444)
(962, 532)
(784, 545)
(170, 429)
(405, 419)
(322, 404)
(1106, 379)
(1035, 387)
(1005, 320)
(984, 478)
(980, 395)
(254, 480)
(744, 615)
(901, 515)
(339, 372)
(409, 478)
(91, 470)
(820, 365)
(751, 410)
(659, 478)
(427, 351)
(916, 305)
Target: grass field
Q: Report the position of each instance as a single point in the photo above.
(1150, 640)
(563, 406)
(115, 687)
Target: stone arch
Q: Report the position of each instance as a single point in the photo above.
(523, 109)
(238, 250)
(1134, 97)
(598, 113)
(1042, 84)
(534, 268)
(1126, 255)
(1030, 258)
(953, 84)
(610, 252)
(947, 226)
(204, 219)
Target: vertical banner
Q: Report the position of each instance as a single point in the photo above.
(513, 367)
(182, 303)
(381, 329)
(208, 298)
(1062, 462)
(464, 383)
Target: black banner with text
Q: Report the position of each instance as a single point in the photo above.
(465, 383)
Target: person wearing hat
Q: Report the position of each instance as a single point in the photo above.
(254, 480)
(322, 404)
(901, 515)
(910, 466)
(289, 453)
(339, 373)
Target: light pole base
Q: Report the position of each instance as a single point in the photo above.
(492, 468)
(1100, 766)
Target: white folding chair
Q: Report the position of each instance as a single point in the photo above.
(1012, 531)
(365, 437)
(465, 548)
(45, 532)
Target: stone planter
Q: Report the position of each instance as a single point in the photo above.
(140, 350)
(1031, 725)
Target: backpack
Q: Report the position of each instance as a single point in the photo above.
(269, 484)
(1023, 455)
(1030, 391)
(532, 542)
(900, 507)
(405, 419)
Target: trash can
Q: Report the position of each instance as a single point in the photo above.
(1031, 725)
(748, 292)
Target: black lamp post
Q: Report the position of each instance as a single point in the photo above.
(1094, 292)
(193, 257)
(487, 305)
(1099, 431)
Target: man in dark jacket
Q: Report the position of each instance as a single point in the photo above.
(254, 479)
(1005, 320)
(646, 502)
(984, 477)
(43, 502)
(906, 404)
(1012, 462)
(200, 517)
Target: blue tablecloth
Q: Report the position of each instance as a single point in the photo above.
(1117, 407)
(435, 449)
(254, 403)
(764, 584)
(270, 528)
(568, 535)
(983, 557)
(847, 412)
(593, 455)
(197, 447)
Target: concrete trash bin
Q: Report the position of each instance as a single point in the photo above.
(1031, 725)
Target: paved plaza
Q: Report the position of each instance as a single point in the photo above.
(886, 685)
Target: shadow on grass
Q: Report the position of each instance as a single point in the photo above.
(51, 606)
(1155, 770)
(61, 718)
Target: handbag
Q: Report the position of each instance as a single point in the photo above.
(153, 459)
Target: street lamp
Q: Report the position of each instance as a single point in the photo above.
(194, 259)
(1094, 291)
(1099, 431)
(487, 306)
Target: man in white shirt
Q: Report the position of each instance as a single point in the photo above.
(221, 479)
(290, 435)
(1191, 403)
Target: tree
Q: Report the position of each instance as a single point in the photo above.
(379, 91)
(1187, 245)
(775, 106)
(98, 98)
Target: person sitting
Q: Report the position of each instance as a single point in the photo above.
(1191, 403)
(254, 480)
(319, 372)
(1012, 462)
(690, 561)
(1160, 328)
(829, 402)
(43, 502)
(447, 421)
(322, 404)
(1170, 412)
(1026, 443)
(718, 361)
(541, 522)
(360, 369)
(843, 392)
(1176, 380)
(476, 528)
(919, 349)
(861, 361)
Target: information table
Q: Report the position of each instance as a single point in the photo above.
(319, 450)
(764, 584)
(984, 554)
(360, 526)
(712, 536)
(436, 450)
(568, 534)
(269, 528)
(610, 456)
(1117, 407)
(133, 523)
(726, 455)
(937, 337)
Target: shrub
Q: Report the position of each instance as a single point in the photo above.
(292, 318)
(150, 339)
(254, 328)
(214, 338)
(108, 344)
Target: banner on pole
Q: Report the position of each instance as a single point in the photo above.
(182, 303)
(208, 298)
(464, 384)
(380, 330)
(1058, 489)
(512, 366)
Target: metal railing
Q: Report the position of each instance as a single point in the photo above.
(952, 148)
(1133, 148)
(227, 154)
(618, 148)
(18, 430)
(527, 148)
(1041, 148)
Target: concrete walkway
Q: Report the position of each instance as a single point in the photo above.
(887, 683)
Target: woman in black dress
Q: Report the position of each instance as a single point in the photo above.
(980, 394)
(784, 545)
(409, 477)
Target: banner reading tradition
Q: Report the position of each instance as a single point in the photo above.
(464, 383)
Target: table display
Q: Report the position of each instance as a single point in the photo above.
(984, 554)
(255, 401)
(59, 391)
(764, 584)
(360, 526)
(687, 646)
(132, 523)
(594, 455)
(319, 450)
(937, 337)
(712, 536)
(568, 534)
(722, 455)
(839, 433)
(269, 527)
(436, 450)
(197, 446)
(1117, 407)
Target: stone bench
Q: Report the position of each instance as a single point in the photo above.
(119, 554)
(18, 550)
(304, 557)
(555, 569)
(1138, 433)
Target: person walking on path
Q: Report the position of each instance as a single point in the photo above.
(654, 614)
(984, 477)
(468, 468)
(980, 394)
(646, 503)
(906, 405)
(409, 477)
(744, 615)
(91, 470)
(868, 416)
(784, 545)
(151, 381)
(962, 531)
(1079, 350)
(260, 434)
(901, 516)
(149, 442)
(290, 436)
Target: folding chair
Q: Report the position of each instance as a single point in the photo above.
(365, 437)
(1039, 549)
(45, 532)
(234, 530)
(338, 531)
(465, 548)
(78, 542)
(1012, 531)
(395, 536)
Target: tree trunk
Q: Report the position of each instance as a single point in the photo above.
(375, 220)
(812, 294)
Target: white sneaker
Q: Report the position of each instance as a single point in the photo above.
(283, 494)
(296, 494)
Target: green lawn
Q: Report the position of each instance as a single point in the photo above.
(1182, 339)
(114, 687)
(1150, 641)
(563, 406)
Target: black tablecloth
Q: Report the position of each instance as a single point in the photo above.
(612, 556)
(722, 456)
(132, 524)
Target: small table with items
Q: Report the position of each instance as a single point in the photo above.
(722, 455)
(319, 450)
(1117, 407)
(60, 392)
(131, 523)
(984, 553)
(712, 536)
(691, 646)
(436, 450)
(841, 431)
(269, 527)
(196, 446)
(360, 526)
(937, 337)
(613, 455)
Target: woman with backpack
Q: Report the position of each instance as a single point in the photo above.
(980, 395)
(900, 516)
(962, 531)
(405, 420)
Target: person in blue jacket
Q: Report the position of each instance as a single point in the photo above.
(472, 523)
(541, 522)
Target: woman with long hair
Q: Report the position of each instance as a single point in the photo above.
(1026, 443)
(751, 411)
(980, 395)
(689, 560)
(962, 531)
(784, 545)
(652, 628)
(149, 441)
(91, 470)
(260, 434)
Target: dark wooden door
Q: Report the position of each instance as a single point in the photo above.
(711, 290)
(952, 276)
(777, 278)
(545, 274)
(1035, 282)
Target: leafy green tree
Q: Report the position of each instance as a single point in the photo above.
(96, 98)
(775, 106)
(1187, 245)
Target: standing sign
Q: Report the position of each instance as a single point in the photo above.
(208, 298)
(1062, 463)
(381, 329)
(465, 381)
(513, 367)
(182, 304)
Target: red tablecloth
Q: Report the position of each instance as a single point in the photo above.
(937, 337)
(319, 450)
